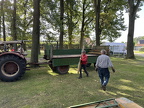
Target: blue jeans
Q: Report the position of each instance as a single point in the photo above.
(104, 75)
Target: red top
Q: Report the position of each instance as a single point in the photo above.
(12, 49)
(84, 59)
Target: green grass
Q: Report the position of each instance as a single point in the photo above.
(41, 88)
(142, 52)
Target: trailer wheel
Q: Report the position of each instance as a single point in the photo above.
(62, 69)
(12, 68)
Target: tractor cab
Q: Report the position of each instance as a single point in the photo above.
(12, 46)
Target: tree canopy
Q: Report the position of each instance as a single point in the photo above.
(20, 13)
(68, 21)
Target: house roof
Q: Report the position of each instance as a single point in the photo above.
(141, 42)
(139, 45)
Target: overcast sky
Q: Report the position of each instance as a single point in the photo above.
(139, 27)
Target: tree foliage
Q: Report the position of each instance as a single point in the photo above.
(111, 19)
(50, 21)
(136, 39)
(67, 20)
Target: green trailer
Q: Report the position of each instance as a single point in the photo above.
(61, 59)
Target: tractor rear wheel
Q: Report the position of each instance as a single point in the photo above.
(12, 68)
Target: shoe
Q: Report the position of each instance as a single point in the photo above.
(87, 75)
(104, 87)
(79, 77)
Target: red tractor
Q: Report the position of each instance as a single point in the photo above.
(12, 60)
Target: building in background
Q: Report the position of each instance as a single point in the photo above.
(139, 45)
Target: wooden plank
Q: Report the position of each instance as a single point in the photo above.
(126, 103)
(72, 56)
(66, 56)
(110, 103)
(94, 53)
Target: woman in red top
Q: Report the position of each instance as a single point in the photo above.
(83, 59)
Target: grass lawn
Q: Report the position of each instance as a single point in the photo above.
(41, 88)
(142, 52)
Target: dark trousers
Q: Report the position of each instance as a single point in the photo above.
(104, 75)
(83, 66)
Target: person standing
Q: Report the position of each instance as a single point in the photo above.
(103, 62)
(83, 60)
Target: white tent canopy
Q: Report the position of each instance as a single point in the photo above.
(116, 48)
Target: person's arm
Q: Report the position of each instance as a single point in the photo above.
(111, 65)
(113, 69)
(96, 65)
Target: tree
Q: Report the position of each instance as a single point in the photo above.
(82, 24)
(36, 32)
(50, 21)
(0, 19)
(111, 19)
(76, 25)
(3, 20)
(61, 24)
(133, 8)
(14, 34)
(24, 19)
(86, 19)
(70, 23)
(71, 15)
(97, 4)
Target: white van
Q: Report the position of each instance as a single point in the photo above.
(116, 48)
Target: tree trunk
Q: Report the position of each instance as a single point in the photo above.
(14, 35)
(130, 44)
(132, 15)
(3, 21)
(70, 24)
(70, 29)
(97, 14)
(82, 26)
(36, 33)
(25, 24)
(0, 21)
(61, 24)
